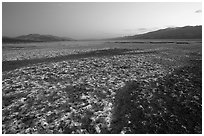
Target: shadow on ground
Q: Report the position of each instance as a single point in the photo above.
(171, 105)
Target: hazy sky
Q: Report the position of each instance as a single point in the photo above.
(96, 20)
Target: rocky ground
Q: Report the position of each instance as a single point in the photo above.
(130, 92)
(170, 105)
(26, 54)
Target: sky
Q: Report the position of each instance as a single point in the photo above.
(96, 20)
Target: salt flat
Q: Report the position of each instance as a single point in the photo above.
(112, 87)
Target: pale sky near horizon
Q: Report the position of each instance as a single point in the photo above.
(96, 20)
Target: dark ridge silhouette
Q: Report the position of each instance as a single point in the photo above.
(15, 40)
(187, 32)
(38, 37)
(34, 38)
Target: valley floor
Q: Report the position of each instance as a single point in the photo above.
(132, 90)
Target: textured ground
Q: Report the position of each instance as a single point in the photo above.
(154, 90)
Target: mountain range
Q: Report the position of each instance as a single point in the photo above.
(187, 32)
(34, 38)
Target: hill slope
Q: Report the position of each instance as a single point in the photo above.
(14, 40)
(34, 38)
(187, 32)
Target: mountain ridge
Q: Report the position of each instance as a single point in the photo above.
(186, 32)
(34, 38)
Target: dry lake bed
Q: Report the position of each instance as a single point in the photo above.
(106, 87)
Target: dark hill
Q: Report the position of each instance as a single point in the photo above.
(38, 37)
(34, 38)
(15, 40)
(187, 32)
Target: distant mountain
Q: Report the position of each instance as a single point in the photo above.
(43, 38)
(187, 32)
(34, 38)
(15, 40)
